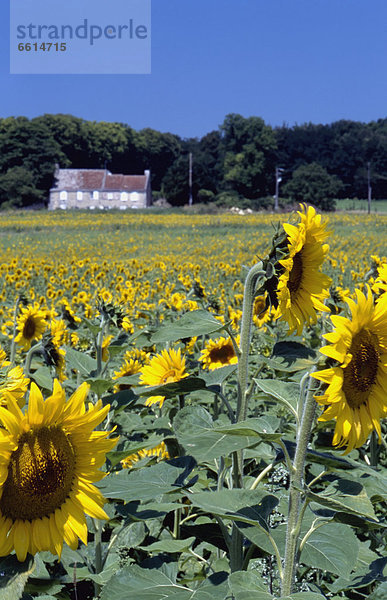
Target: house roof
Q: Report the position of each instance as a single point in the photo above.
(98, 179)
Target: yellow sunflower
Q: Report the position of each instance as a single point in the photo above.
(302, 287)
(49, 459)
(160, 451)
(261, 314)
(167, 367)
(380, 284)
(105, 347)
(59, 332)
(13, 382)
(218, 353)
(134, 360)
(356, 393)
(31, 324)
(3, 358)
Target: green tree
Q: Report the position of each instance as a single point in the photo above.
(18, 189)
(156, 151)
(249, 150)
(29, 144)
(313, 184)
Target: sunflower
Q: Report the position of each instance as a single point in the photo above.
(13, 382)
(30, 325)
(261, 313)
(380, 284)
(134, 360)
(49, 460)
(160, 451)
(356, 396)
(105, 347)
(301, 286)
(218, 353)
(59, 332)
(167, 367)
(3, 358)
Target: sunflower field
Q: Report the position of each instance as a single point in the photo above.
(193, 407)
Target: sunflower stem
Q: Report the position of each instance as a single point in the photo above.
(374, 451)
(98, 348)
(236, 544)
(13, 343)
(295, 493)
(98, 554)
(247, 314)
(227, 405)
(176, 524)
(262, 474)
(33, 350)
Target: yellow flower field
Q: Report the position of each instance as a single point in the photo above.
(167, 390)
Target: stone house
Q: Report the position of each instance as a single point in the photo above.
(99, 189)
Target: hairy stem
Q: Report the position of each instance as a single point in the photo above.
(295, 493)
(243, 362)
(13, 344)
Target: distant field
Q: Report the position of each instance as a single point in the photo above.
(377, 206)
(46, 252)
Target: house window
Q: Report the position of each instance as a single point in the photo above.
(124, 196)
(79, 195)
(110, 195)
(135, 197)
(63, 195)
(95, 195)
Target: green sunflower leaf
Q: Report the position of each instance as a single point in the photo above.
(80, 361)
(169, 390)
(152, 584)
(14, 575)
(169, 545)
(332, 548)
(150, 482)
(246, 506)
(217, 376)
(287, 393)
(192, 324)
(205, 441)
(99, 386)
(43, 378)
(249, 586)
(344, 495)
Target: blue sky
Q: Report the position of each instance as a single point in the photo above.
(287, 61)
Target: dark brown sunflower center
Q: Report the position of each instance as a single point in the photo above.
(295, 275)
(259, 307)
(361, 373)
(40, 474)
(29, 328)
(222, 355)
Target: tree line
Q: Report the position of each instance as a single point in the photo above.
(234, 164)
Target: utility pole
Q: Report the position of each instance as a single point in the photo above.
(278, 180)
(369, 186)
(190, 179)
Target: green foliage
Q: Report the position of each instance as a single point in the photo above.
(249, 147)
(312, 184)
(238, 158)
